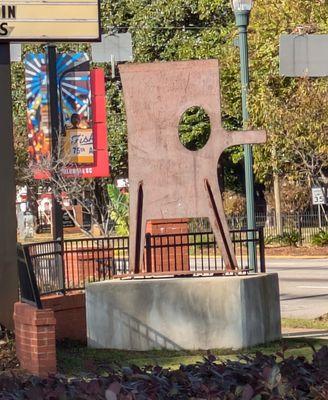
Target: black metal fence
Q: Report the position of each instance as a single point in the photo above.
(198, 252)
(29, 292)
(295, 229)
(69, 265)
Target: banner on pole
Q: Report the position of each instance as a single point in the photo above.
(80, 136)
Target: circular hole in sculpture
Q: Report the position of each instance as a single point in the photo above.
(194, 128)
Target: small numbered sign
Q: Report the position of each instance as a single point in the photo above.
(319, 196)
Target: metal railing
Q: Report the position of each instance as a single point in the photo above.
(296, 228)
(29, 292)
(69, 265)
(198, 252)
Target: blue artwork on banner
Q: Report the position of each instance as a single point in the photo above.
(74, 94)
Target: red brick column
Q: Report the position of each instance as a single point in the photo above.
(175, 257)
(35, 339)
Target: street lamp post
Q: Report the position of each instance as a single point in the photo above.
(242, 9)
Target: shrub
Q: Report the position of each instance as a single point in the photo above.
(291, 238)
(259, 377)
(320, 239)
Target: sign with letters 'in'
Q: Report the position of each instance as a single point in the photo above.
(50, 20)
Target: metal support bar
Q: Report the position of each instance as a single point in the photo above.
(136, 267)
(262, 250)
(148, 252)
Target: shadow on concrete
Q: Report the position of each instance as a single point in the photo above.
(128, 329)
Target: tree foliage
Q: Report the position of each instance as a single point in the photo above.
(194, 128)
(293, 111)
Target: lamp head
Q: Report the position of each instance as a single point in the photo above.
(241, 5)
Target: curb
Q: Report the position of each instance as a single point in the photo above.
(297, 257)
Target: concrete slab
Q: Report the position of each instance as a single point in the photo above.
(183, 313)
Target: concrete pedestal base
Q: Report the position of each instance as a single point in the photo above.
(183, 313)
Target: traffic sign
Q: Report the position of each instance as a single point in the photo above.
(319, 196)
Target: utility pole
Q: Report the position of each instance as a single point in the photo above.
(57, 216)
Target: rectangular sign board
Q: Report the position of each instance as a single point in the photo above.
(118, 46)
(49, 20)
(79, 146)
(319, 196)
(303, 55)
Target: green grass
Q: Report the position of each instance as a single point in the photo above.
(304, 323)
(76, 359)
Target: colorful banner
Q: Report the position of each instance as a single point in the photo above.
(78, 129)
(37, 108)
(100, 166)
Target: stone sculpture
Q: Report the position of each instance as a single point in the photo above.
(167, 180)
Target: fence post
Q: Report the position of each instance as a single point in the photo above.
(148, 252)
(262, 250)
(299, 225)
(59, 259)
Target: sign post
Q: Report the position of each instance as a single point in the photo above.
(319, 198)
(29, 21)
(8, 268)
(57, 220)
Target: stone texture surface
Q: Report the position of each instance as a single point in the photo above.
(165, 179)
(183, 313)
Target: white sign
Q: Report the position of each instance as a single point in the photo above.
(15, 52)
(318, 196)
(122, 183)
(117, 46)
(49, 20)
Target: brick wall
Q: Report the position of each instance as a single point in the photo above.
(81, 266)
(69, 312)
(174, 258)
(35, 339)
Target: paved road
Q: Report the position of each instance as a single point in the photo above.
(303, 286)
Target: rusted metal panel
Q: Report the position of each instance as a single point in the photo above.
(166, 179)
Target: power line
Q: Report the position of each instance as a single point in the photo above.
(182, 28)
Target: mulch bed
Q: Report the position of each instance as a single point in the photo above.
(8, 359)
(308, 251)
